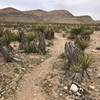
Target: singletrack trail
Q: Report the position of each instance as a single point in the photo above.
(31, 87)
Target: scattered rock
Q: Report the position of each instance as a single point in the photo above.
(42, 60)
(91, 87)
(78, 94)
(15, 45)
(81, 90)
(65, 88)
(74, 88)
(60, 94)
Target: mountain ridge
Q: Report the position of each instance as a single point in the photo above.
(55, 16)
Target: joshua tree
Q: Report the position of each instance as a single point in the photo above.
(21, 38)
(49, 32)
(42, 44)
(77, 61)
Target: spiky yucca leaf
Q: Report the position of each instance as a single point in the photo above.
(76, 67)
(83, 44)
(83, 63)
(86, 61)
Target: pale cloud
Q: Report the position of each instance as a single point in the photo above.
(77, 7)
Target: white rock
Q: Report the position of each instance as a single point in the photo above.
(65, 87)
(61, 94)
(91, 87)
(81, 89)
(74, 88)
(42, 60)
(78, 94)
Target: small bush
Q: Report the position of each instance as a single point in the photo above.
(76, 31)
(30, 47)
(79, 70)
(10, 37)
(49, 32)
(82, 31)
(83, 44)
(30, 36)
(40, 27)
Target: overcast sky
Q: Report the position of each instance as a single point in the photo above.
(76, 7)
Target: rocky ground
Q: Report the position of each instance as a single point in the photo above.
(12, 73)
(45, 78)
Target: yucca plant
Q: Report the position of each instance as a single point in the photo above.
(83, 44)
(49, 32)
(40, 30)
(80, 69)
(30, 36)
(82, 32)
(30, 44)
(30, 47)
(76, 31)
(10, 37)
(40, 27)
(76, 67)
(86, 61)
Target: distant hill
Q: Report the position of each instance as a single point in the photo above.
(55, 16)
(14, 15)
(98, 21)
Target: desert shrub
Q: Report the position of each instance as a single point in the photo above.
(57, 28)
(85, 37)
(49, 32)
(83, 44)
(30, 47)
(86, 61)
(82, 32)
(75, 68)
(40, 30)
(10, 37)
(40, 27)
(79, 69)
(97, 28)
(76, 31)
(30, 36)
(72, 37)
(81, 36)
(87, 31)
(83, 63)
(46, 29)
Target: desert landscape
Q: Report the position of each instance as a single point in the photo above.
(48, 55)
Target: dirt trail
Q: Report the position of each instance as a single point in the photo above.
(94, 70)
(96, 53)
(31, 88)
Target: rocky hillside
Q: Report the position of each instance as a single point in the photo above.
(55, 16)
(13, 15)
